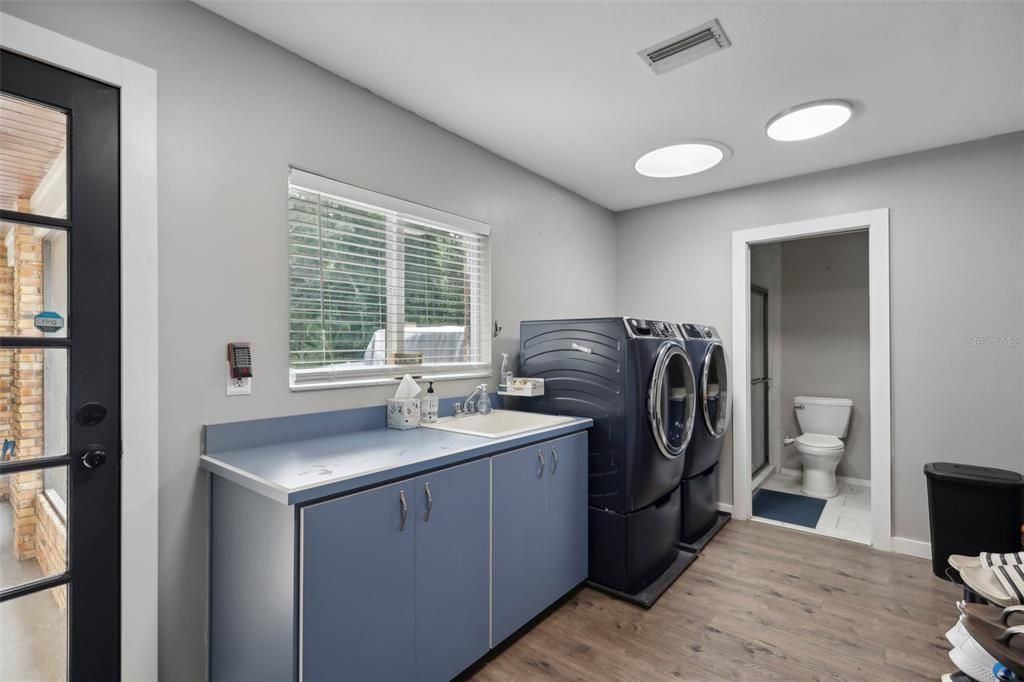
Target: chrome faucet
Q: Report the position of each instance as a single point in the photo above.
(468, 405)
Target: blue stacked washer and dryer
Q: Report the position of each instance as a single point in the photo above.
(634, 378)
(699, 487)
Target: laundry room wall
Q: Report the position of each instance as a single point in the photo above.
(957, 294)
(234, 111)
(825, 341)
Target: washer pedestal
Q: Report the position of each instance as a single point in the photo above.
(632, 554)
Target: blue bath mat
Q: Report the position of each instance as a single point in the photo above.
(787, 507)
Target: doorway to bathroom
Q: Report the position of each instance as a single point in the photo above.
(810, 315)
(809, 350)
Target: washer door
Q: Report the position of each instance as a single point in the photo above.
(671, 400)
(714, 390)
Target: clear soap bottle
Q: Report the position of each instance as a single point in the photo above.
(506, 372)
(428, 406)
(483, 403)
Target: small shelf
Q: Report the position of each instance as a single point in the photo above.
(523, 388)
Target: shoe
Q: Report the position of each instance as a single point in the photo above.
(1002, 585)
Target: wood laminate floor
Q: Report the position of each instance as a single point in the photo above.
(762, 602)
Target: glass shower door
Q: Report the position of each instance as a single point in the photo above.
(759, 379)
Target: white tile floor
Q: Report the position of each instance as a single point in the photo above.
(846, 516)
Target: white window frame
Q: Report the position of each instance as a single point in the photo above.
(321, 378)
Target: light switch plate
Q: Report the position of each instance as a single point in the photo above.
(237, 386)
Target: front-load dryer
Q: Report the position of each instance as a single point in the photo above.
(633, 377)
(699, 488)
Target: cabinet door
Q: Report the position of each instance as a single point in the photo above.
(518, 536)
(452, 569)
(567, 515)
(357, 587)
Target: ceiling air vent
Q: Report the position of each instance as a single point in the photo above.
(685, 47)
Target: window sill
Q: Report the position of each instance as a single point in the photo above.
(390, 380)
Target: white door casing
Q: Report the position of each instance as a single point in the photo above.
(876, 222)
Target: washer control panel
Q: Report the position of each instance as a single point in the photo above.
(655, 329)
(699, 331)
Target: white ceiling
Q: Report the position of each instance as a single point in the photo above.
(557, 87)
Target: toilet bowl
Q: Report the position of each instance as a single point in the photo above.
(824, 422)
(820, 455)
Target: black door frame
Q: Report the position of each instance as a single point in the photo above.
(766, 380)
(93, 343)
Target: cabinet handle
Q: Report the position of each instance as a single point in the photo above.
(554, 459)
(540, 469)
(430, 501)
(404, 506)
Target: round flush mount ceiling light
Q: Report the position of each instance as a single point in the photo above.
(812, 119)
(678, 160)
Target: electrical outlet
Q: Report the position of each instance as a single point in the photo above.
(237, 386)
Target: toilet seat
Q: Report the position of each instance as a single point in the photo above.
(818, 444)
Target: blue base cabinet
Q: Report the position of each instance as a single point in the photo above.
(519, 520)
(452, 561)
(413, 580)
(539, 529)
(567, 518)
(357, 587)
(394, 579)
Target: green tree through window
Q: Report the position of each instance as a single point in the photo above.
(354, 268)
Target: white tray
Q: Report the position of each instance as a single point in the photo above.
(523, 387)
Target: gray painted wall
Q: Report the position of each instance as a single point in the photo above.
(230, 125)
(234, 112)
(957, 250)
(825, 340)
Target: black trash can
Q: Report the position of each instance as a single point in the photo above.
(972, 509)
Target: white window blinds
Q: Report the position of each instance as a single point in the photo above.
(379, 287)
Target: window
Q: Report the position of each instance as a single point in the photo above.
(379, 287)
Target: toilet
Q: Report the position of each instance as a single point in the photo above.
(824, 422)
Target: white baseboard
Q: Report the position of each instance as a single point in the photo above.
(841, 479)
(917, 548)
(723, 507)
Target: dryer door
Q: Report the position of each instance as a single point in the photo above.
(671, 400)
(714, 390)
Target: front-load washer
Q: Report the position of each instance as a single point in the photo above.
(699, 488)
(633, 377)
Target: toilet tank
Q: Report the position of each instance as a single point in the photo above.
(829, 416)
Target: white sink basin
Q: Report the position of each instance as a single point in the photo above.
(498, 424)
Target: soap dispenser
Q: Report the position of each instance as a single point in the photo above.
(483, 404)
(428, 406)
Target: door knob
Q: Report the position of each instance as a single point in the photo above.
(94, 456)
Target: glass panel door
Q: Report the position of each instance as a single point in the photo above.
(59, 383)
(672, 400)
(715, 386)
(760, 380)
(34, 163)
